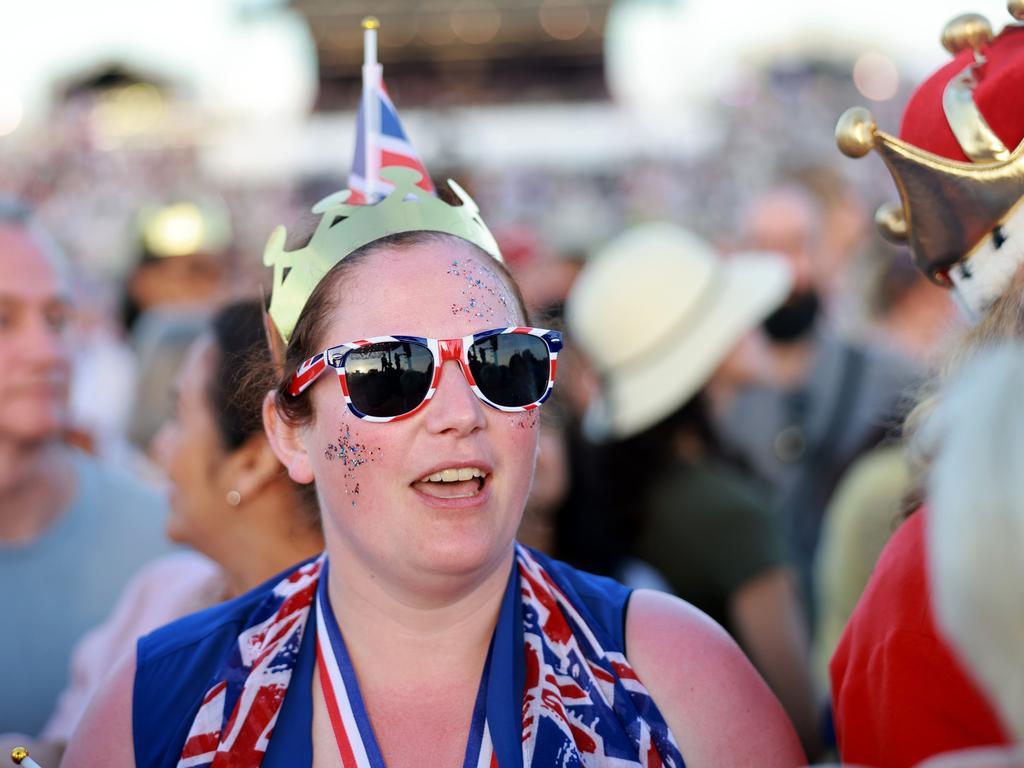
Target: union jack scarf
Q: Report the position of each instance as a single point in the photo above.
(581, 705)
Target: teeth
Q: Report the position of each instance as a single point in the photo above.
(455, 475)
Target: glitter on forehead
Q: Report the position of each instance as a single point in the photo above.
(472, 275)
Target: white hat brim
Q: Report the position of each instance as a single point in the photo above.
(641, 394)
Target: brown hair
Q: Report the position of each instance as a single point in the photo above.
(308, 337)
(243, 372)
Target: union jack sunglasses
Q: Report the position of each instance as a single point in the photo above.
(391, 377)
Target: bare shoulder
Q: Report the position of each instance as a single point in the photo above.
(716, 704)
(104, 734)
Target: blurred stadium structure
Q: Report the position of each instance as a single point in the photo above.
(482, 52)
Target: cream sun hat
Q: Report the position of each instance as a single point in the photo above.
(656, 311)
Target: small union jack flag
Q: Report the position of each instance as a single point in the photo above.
(380, 142)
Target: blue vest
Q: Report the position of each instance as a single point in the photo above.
(176, 665)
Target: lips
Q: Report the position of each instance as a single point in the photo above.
(462, 482)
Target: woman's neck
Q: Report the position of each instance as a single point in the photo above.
(37, 482)
(398, 626)
(268, 540)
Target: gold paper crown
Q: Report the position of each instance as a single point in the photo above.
(344, 228)
(946, 206)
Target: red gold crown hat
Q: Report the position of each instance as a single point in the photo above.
(959, 162)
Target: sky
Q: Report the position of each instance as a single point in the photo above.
(691, 48)
(257, 64)
(262, 64)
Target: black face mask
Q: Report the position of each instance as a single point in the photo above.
(794, 319)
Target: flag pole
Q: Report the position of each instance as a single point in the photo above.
(371, 107)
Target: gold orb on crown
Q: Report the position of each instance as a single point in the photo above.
(969, 30)
(855, 132)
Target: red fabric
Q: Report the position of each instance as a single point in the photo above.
(924, 121)
(898, 693)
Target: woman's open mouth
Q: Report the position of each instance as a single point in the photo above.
(453, 483)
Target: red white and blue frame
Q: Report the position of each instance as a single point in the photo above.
(442, 350)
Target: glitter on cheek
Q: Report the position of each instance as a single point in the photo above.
(353, 455)
(527, 420)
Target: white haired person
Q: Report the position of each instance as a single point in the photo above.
(900, 693)
(424, 635)
(669, 330)
(976, 535)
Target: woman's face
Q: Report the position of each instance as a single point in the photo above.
(371, 477)
(188, 447)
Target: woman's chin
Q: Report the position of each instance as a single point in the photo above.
(462, 554)
(177, 532)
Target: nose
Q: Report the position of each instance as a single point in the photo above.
(454, 407)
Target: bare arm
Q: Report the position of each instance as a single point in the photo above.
(716, 705)
(103, 738)
(769, 623)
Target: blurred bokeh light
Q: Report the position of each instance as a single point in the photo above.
(875, 76)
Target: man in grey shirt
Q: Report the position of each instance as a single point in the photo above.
(825, 400)
(72, 529)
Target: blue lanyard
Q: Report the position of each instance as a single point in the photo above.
(360, 748)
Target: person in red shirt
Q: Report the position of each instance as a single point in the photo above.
(899, 692)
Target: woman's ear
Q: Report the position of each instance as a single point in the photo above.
(251, 467)
(286, 442)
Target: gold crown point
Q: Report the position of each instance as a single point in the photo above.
(970, 30)
(891, 222)
(1016, 9)
(855, 132)
(371, 22)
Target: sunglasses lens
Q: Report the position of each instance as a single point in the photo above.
(390, 378)
(511, 369)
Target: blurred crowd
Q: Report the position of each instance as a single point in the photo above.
(742, 350)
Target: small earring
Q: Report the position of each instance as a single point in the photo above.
(233, 498)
